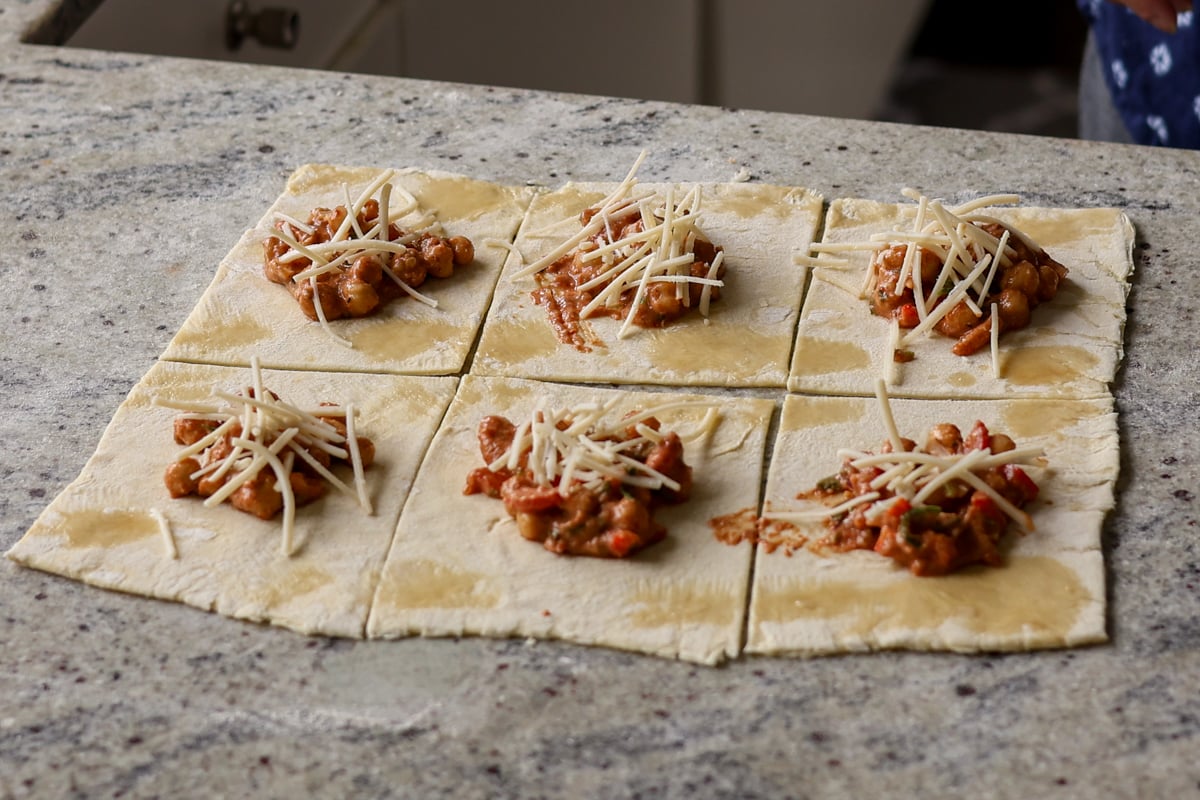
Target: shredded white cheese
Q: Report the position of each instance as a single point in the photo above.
(995, 341)
(819, 514)
(350, 241)
(273, 433)
(164, 529)
(970, 258)
(916, 476)
(578, 445)
(662, 252)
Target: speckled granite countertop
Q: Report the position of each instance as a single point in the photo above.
(124, 179)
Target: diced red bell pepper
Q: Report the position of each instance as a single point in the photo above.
(1021, 483)
(907, 316)
(621, 542)
(979, 438)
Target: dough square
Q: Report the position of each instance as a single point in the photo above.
(243, 314)
(747, 338)
(1049, 593)
(1071, 348)
(458, 565)
(101, 529)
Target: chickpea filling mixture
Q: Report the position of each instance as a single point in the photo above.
(958, 272)
(346, 262)
(579, 487)
(264, 455)
(1024, 279)
(933, 509)
(639, 259)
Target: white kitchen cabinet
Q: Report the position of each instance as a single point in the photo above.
(627, 48)
(196, 29)
(811, 56)
(807, 56)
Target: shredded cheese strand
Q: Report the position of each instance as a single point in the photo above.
(959, 292)
(164, 529)
(983, 202)
(995, 340)
(410, 291)
(815, 515)
(567, 447)
(661, 252)
(292, 428)
(364, 497)
(889, 421)
(316, 298)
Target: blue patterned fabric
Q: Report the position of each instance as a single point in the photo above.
(1154, 77)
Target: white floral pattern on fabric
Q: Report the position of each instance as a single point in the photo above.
(1119, 73)
(1159, 126)
(1153, 77)
(1160, 59)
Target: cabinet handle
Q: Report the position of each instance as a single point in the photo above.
(270, 27)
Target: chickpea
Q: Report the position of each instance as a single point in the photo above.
(628, 514)
(369, 214)
(258, 497)
(533, 527)
(1013, 307)
(360, 297)
(178, 477)
(958, 321)
(464, 251)
(1002, 443)
(944, 439)
(408, 268)
(1049, 278)
(337, 424)
(305, 487)
(662, 302)
(1022, 277)
(325, 222)
(367, 269)
(892, 258)
(931, 267)
(327, 291)
(190, 431)
(438, 256)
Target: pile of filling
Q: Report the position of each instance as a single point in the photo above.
(581, 487)
(347, 262)
(640, 259)
(958, 272)
(933, 509)
(263, 454)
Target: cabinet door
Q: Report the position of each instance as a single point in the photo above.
(196, 29)
(627, 48)
(829, 58)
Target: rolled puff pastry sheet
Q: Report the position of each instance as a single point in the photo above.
(243, 314)
(745, 341)
(1071, 348)
(458, 565)
(115, 526)
(1049, 592)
